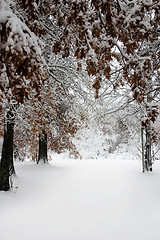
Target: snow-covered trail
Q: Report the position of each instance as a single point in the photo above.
(82, 200)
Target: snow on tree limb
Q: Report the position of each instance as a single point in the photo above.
(21, 61)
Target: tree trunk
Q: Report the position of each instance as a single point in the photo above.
(42, 156)
(146, 149)
(148, 155)
(143, 150)
(6, 164)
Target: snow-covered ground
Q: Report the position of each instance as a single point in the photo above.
(82, 200)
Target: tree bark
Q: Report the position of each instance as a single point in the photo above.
(42, 156)
(6, 164)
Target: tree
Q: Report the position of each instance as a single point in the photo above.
(126, 31)
(56, 115)
(22, 68)
(105, 32)
(6, 164)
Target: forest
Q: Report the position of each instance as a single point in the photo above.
(79, 119)
(74, 70)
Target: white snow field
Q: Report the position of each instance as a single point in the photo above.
(82, 200)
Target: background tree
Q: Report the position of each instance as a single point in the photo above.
(114, 38)
(57, 113)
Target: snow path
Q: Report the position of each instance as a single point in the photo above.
(82, 200)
